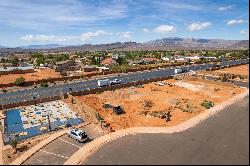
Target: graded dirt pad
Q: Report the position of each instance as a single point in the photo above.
(39, 74)
(242, 70)
(143, 106)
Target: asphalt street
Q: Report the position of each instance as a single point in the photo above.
(56, 90)
(221, 139)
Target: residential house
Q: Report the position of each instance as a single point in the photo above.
(149, 60)
(16, 70)
(89, 68)
(133, 62)
(167, 58)
(64, 65)
(23, 64)
(180, 58)
(211, 58)
(195, 58)
(5, 65)
(103, 68)
(117, 55)
(108, 61)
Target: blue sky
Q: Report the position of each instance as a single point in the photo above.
(71, 22)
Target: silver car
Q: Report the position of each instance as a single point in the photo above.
(77, 134)
(115, 81)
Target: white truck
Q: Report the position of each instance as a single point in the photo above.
(115, 81)
(102, 83)
(178, 70)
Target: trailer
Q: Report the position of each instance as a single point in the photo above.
(102, 83)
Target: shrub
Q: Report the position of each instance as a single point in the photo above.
(177, 103)
(98, 117)
(4, 90)
(44, 84)
(20, 81)
(185, 110)
(14, 143)
(207, 104)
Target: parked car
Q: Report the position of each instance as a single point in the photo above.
(77, 134)
(115, 81)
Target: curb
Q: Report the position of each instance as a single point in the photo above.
(82, 154)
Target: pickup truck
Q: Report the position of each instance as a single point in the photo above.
(115, 81)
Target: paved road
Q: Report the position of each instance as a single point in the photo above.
(56, 90)
(221, 139)
(58, 151)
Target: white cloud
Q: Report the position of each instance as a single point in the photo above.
(82, 37)
(198, 26)
(224, 8)
(244, 32)
(47, 38)
(145, 30)
(233, 22)
(90, 35)
(164, 29)
(178, 5)
(125, 34)
(53, 38)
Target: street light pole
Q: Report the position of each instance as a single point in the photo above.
(49, 120)
(34, 97)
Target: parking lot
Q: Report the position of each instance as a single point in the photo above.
(58, 151)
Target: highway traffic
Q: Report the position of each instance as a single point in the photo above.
(56, 90)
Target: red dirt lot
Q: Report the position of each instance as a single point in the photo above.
(39, 74)
(182, 100)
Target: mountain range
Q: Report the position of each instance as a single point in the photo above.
(47, 46)
(158, 44)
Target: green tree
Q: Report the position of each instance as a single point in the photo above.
(20, 81)
(14, 144)
(40, 59)
(2, 60)
(15, 61)
(93, 60)
(121, 60)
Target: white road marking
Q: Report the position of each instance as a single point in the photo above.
(69, 143)
(53, 154)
